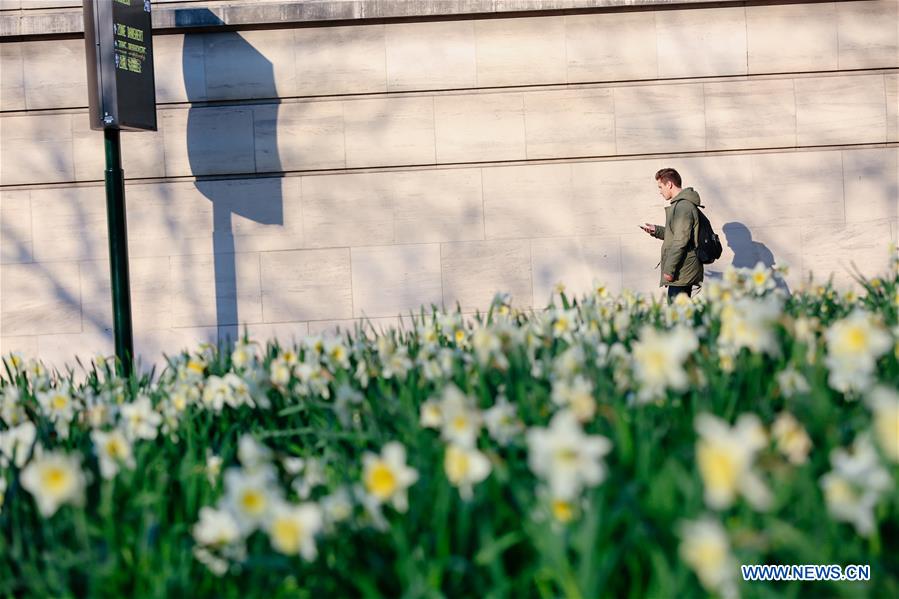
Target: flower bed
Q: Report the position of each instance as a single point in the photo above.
(609, 446)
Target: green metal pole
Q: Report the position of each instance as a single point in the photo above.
(118, 251)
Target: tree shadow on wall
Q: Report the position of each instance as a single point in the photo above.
(217, 145)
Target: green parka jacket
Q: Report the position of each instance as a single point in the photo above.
(679, 237)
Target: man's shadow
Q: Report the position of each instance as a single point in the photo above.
(748, 252)
(266, 208)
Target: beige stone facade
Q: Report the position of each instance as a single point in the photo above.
(312, 173)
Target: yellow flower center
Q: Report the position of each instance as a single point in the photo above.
(566, 456)
(457, 465)
(286, 534)
(115, 449)
(856, 339)
(760, 277)
(654, 363)
(707, 555)
(460, 423)
(55, 479)
(195, 366)
(60, 402)
(563, 511)
(460, 335)
(840, 492)
(381, 481)
(719, 469)
(252, 502)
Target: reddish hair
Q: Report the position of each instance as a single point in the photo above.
(669, 175)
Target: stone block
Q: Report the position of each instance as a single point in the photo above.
(659, 118)
(840, 110)
(36, 149)
(871, 184)
(208, 141)
(69, 223)
(389, 131)
(611, 46)
(250, 64)
(306, 285)
(858, 248)
(475, 271)
(169, 219)
(266, 213)
(722, 182)
(370, 327)
(40, 299)
(152, 346)
(12, 77)
(566, 123)
(793, 188)
(528, 201)
(437, 205)
(55, 74)
(431, 55)
(63, 350)
(792, 38)
(299, 136)
(868, 33)
(340, 60)
(152, 293)
(578, 263)
(703, 42)
(750, 114)
(25, 346)
(286, 333)
(522, 51)
(640, 255)
(142, 152)
(613, 197)
(347, 209)
(482, 127)
(15, 227)
(891, 83)
(393, 280)
(179, 68)
(216, 289)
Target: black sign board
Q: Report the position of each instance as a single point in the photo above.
(119, 44)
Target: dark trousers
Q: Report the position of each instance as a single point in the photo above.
(673, 290)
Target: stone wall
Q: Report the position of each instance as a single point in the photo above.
(309, 174)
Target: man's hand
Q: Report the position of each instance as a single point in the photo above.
(668, 277)
(650, 229)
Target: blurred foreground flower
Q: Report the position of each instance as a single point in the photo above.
(658, 360)
(293, 528)
(884, 402)
(853, 346)
(854, 486)
(705, 548)
(54, 478)
(725, 456)
(387, 477)
(566, 458)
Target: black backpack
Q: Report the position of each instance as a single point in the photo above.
(708, 246)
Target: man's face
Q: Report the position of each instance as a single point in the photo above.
(666, 189)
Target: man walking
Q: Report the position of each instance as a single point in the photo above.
(681, 269)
